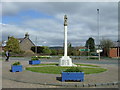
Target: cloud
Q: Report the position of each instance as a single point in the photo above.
(82, 21)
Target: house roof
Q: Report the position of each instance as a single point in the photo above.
(21, 39)
(31, 42)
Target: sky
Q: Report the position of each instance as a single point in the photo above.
(44, 21)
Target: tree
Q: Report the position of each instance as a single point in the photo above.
(105, 45)
(60, 52)
(70, 49)
(46, 50)
(53, 52)
(91, 44)
(12, 45)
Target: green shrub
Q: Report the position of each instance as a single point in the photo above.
(74, 69)
(17, 63)
(44, 57)
(35, 58)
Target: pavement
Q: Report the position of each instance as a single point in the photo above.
(28, 79)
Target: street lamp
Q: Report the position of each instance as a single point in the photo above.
(118, 49)
(98, 51)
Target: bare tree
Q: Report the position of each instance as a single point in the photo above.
(106, 44)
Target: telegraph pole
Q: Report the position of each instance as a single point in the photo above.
(36, 45)
(88, 51)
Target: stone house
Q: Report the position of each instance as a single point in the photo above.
(25, 43)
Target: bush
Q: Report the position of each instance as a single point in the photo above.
(44, 57)
(35, 58)
(47, 51)
(41, 50)
(94, 54)
(74, 69)
(17, 63)
(53, 52)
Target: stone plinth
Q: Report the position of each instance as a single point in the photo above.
(66, 61)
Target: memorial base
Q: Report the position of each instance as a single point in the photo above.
(66, 61)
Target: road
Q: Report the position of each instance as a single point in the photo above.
(102, 61)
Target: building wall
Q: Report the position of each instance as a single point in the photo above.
(113, 52)
(26, 44)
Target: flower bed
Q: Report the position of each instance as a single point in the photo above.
(34, 60)
(16, 67)
(75, 76)
(73, 73)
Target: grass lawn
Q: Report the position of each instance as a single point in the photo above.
(76, 64)
(45, 64)
(58, 69)
(88, 65)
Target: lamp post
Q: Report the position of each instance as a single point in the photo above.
(98, 33)
(118, 49)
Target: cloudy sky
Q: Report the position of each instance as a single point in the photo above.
(44, 21)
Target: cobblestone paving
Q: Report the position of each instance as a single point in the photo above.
(9, 78)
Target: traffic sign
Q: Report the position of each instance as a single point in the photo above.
(99, 50)
(84, 49)
(81, 49)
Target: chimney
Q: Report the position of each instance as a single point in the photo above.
(27, 35)
(8, 37)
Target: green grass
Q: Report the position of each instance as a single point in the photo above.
(93, 70)
(76, 64)
(58, 69)
(88, 65)
(45, 64)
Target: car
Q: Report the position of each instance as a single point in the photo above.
(94, 54)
